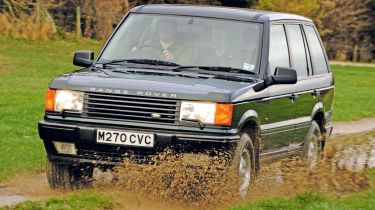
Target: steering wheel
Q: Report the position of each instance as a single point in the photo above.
(150, 46)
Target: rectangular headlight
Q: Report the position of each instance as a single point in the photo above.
(68, 100)
(204, 112)
(207, 112)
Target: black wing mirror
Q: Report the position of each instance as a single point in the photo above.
(84, 58)
(284, 75)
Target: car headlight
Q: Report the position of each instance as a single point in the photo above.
(207, 112)
(60, 100)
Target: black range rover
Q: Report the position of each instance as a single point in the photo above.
(192, 78)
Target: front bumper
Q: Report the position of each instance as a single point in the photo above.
(88, 151)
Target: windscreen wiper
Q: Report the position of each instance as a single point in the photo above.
(217, 69)
(153, 62)
(140, 61)
(163, 72)
(114, 61)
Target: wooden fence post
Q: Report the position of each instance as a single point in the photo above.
(78, 22)
(355, 54)
(37, 12)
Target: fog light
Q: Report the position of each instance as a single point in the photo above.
(65, 148)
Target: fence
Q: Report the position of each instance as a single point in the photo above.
(93, 21)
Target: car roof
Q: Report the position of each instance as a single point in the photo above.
(217, 12)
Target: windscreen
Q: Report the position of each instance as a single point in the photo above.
(186, 40)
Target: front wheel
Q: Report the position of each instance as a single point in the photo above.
(68, 177)
(243, 164)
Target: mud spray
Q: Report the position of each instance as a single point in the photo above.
(187, 181)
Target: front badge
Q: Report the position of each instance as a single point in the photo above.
(155, 116)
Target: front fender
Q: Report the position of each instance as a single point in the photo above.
(319, 107)
(248, 116)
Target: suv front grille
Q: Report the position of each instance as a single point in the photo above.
(131, 108)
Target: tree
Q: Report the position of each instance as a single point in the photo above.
(27, 19)
(344, 25)
(307, 8)
(101, 16)
(345, 29)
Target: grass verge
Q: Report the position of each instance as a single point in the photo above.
(311, 200)
(79, 200)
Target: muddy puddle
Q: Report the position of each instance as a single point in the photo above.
(202, 182)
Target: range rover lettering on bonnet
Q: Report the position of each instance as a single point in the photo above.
(133, 92)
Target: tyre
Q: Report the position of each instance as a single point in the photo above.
(313, 146)
(68, 177)
(243, 164)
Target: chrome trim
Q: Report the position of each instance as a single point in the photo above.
(285, 123)
(296, 93)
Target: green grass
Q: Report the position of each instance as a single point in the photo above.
(75, 201)
(311, 200)
(354, 92)
(27, 67)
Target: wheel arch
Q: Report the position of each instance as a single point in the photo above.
(317, 115)
(249, 123)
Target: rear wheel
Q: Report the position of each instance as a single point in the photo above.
(68, 177)
(243, 164)
(313, 146)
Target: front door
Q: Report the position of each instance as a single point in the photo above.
(279, 128)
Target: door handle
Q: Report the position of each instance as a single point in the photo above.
(314, 93)
(293, 97)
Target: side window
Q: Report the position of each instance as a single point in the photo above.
(318, 60)
(278, 52)
(297, 50)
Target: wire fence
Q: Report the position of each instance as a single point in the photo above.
(92, 25)
(92, 22)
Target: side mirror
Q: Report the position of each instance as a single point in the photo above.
(284, 75)
(84, 58)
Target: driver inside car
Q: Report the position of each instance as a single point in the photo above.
(167, 45)
(245, 56)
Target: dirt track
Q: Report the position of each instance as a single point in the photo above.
(345, 160)
(350, 127)
(342, 63)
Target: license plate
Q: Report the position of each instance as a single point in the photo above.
(124, 138)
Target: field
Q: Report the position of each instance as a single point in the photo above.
(27, 67)
(355, 92)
